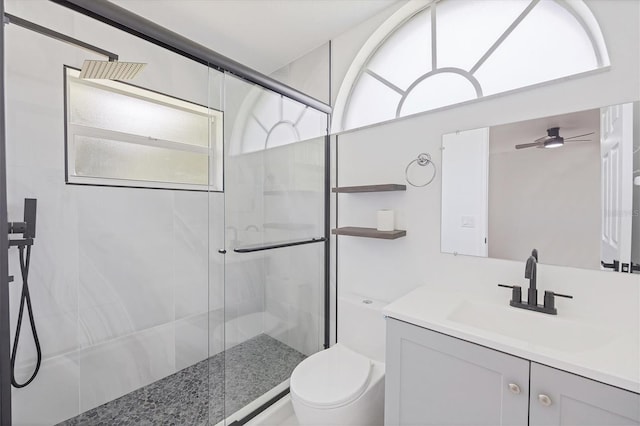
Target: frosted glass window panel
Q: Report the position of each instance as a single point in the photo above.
(268, 108)
(108, 159)
(282, 134)
(406, 54)
(291, 110)
(548, 44)
(500, 45)
(254, 136)
(312, 124)
(371, 102)
(437, 91)
(267, 120)
(466, 29)
(94, 106)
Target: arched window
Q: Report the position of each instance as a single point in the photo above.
(445, 52)
(267, 120)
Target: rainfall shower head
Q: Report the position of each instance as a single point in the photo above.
(110, 70)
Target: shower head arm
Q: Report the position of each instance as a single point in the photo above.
(15, 20)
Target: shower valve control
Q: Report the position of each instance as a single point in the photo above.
(27, 228)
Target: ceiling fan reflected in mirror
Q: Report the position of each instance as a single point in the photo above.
(553, 140)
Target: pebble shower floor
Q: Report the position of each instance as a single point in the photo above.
(196, 395)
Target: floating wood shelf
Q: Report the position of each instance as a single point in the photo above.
(370, 188)
(369, 232)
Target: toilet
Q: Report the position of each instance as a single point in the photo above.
(344, 385)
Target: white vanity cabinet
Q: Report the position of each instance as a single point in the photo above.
(435, 379)
(561, 398)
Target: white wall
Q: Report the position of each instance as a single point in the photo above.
(309, 73)
(388, 269)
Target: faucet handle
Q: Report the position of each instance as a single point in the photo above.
(549, 301)
(516, 294)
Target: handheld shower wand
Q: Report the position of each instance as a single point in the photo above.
(28, 230)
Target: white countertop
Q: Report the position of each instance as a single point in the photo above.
(610, 356)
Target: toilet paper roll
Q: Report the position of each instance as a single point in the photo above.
(386, 220)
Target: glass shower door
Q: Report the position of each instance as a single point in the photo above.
(274, 228)
(119, 275)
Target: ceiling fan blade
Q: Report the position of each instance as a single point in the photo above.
(579, 136)
(578, 140)
(529, 145)
(542, 139)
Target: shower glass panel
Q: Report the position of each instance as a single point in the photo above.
(274, 198)
(166, 288)
(123, 285)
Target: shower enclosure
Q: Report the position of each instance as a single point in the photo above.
(178, 273)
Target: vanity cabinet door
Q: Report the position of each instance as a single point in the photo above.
(434, 379)
(561, 398)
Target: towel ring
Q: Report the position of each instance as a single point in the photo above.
(422, 160)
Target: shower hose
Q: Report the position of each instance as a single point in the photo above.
(25, 298)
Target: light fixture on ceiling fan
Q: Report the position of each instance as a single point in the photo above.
(553, 140)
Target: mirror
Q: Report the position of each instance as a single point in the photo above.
(567, 185)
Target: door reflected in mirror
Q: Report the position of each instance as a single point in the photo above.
(567, 185)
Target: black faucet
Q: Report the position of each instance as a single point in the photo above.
(531, 273)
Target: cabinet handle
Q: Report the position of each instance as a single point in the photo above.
(544, 399)
(515, 389)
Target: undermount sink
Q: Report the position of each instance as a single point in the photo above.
(537, 329)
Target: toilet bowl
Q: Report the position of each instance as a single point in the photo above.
(338, 387)
(344, 385)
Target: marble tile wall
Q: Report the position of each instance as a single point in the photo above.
(127, 284)
(294, 210)
(120, 277)
(137, 309)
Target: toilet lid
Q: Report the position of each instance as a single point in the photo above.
(333, 377)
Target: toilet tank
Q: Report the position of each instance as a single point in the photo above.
(361, 325)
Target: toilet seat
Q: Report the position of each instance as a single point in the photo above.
(331, 378)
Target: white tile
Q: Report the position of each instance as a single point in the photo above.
(216, 331)
(244, 283)
(32, 78)
(52, 397)
(126, 272)
(58, 335)
(120, 366)
(190, 252)
(53, 276)
(191, 340)
(297, 329)
(242, 328)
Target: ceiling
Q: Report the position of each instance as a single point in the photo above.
(504, 138)
(263, 34)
